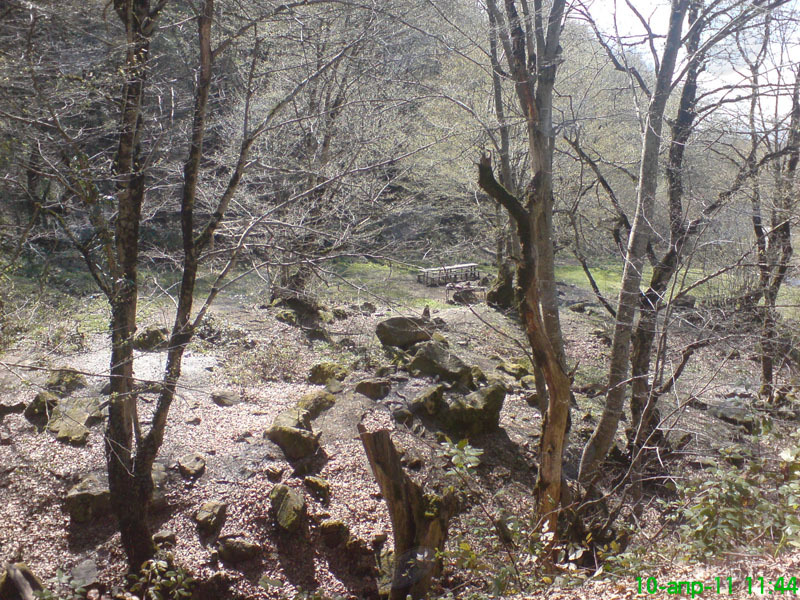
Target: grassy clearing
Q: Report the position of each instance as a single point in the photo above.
(359, 281)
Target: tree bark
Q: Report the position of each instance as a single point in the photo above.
(600, 442)
(419, 519)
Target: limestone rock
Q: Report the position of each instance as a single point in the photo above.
(736, 413)
(430, 401)
(316, 402)
(165, 537)
(65, 381)
(334, 533)
(287, 507)
(192, 465)
(367, 308)
(211, 515)
(88, 500)
(9, 590)
(319, 487)
(41, 406)
(291, 430)
(225, 397)
(475, 413)
(516, 370)
(237, 548)
(322, 372)
(151, 339)
(403, 332)
(375, 389)
(435, 360)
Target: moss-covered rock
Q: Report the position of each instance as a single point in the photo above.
(430, 401)
(41, 406)
(334, 533)
(475, 413)
(433, 359)
(211, 515)
(319, 487)
(516, 370)
(374, 389)
(151, 339)
(88, 500)
(237, 548)
(296, 443)
(288, 507)
(286, 316)
(316, 403)
(9, 590)
(65, 381)
(322, 372)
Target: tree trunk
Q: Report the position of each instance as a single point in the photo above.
(602, 437)
(419, 519)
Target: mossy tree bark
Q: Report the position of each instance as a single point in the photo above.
(531, 44)
(419, 519)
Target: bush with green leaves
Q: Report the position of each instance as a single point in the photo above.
(730, 507)
(160, 579)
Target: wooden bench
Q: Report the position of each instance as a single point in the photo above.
(448, 274)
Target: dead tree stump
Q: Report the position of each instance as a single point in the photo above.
(419, 519)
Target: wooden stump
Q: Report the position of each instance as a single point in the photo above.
(419, 520)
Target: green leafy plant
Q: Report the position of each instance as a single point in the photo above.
(464, 459)
(730, 507)
(160, 579)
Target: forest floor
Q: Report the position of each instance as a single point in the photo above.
(265, 363)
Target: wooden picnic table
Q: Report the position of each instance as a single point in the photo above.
(448, 274)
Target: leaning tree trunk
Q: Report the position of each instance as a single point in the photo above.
(419, 519)
(600, 442)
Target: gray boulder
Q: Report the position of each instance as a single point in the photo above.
(211, 515)
(435, 359)
(475, 413)
(374, 389)
(237, 548)
(403, 332)
(88, 500)
(288, 507)
(225, 397)
(192, 465)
